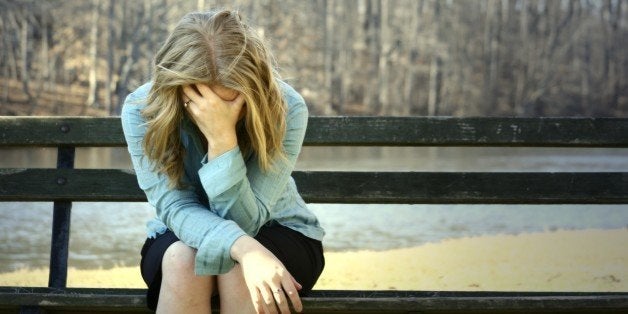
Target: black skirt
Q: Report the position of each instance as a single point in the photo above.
(302, 257)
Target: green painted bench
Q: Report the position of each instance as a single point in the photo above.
(65, 185)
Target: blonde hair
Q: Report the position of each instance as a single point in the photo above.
(214, 48)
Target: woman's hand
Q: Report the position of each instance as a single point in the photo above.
(214, 116)
(266, 277)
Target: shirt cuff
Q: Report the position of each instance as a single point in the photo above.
(214, 254)
(221, 173)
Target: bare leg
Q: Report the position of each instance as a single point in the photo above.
(181, 290)
(234, 295)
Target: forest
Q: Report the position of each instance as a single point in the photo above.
(346, 57)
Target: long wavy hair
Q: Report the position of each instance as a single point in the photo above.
(214, 48)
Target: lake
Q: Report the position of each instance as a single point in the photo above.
(110, 234)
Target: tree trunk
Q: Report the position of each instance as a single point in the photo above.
(346, 56)
(409, 99)
(585, 86)
(433, 99)
(45, 50)
(611, 66)
(137, 21)
(24, 65)
(329, 53)
(374, 43)
(522, 57)
(109, 81)
(383, 78)
(491, 45)
(92, 94)
(9, 69)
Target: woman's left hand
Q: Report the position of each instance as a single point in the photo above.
(270, 284)
(214, 116)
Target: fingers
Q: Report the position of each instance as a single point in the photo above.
(192, 94)
(199, 94)
(191, 101)
(280, 300)
(258, 302)
(208, 93)
(291, 287)
(296, 283)
(269, 300)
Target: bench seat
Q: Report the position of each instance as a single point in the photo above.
(74, 300)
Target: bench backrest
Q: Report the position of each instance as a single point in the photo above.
(65, 184)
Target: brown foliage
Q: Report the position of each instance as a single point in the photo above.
(388, 57)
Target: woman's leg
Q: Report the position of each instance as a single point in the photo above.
(234, 295)
(181, 290)
(302, 257)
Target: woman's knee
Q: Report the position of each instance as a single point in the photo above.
(178, 272)
(181, 290)
(178, 259)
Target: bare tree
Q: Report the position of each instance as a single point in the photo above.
(391, 57)
(93, 56)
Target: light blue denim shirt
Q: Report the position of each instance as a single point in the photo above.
(225, 197)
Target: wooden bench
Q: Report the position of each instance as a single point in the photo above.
(65, 184)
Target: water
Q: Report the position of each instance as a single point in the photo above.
(110, 234)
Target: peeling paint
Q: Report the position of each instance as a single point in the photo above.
(516, 131)
(9, 171)
(468, 131)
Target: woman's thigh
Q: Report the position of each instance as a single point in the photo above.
(302, 256)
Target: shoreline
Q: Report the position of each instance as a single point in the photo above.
(562, 260)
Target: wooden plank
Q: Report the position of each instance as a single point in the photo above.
(345, 187)
(55, 131)
(451, 131)
(463, 188)
(462, 302)
(354, 131)
(69, 185)
(345, 301)
(52, 298)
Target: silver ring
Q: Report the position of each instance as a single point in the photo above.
(278, 291)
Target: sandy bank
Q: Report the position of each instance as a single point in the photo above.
(584, 260)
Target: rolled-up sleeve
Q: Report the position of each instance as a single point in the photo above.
(179, 209)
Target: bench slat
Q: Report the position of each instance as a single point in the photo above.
(354, 131)
(57, 131)
(345, 187)
(323, 301)
(463, 187)
(479, 131)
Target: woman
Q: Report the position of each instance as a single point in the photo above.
(213, 139)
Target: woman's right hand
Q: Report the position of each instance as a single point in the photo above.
(215, 117)
(267, 280)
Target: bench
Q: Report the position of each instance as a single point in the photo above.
(65, 184)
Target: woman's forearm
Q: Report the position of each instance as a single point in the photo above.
(243, 245)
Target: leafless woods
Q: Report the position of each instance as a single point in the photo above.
(375, 57)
